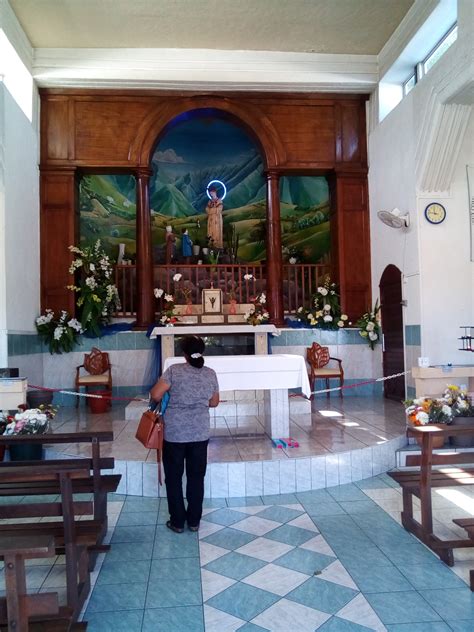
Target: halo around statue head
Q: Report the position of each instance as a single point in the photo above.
(209, 187)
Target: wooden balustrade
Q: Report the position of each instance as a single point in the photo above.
(299, 282)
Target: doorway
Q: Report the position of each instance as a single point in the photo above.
(392, 327)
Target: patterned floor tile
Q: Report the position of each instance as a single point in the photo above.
(431, 576)
(210, 552)
(290, 535)
(251, 510)
(244, 501)
(337, 574)
(335, 624)
(213, 583)
(220, 621)
(318, 545)
(325, 596)
(224, 516)
(122, 621)
(242, 601)
(166, 594)
(235, 565)
(251, 627)
(304, 522)
(124, 572)
(360, 612)
(175, 569)
(256, 525)
(286, 615)
(263, 549)
(378, 579)
(453, 603)
(304, 561)
(276, 579)
(279, 514)
(113, 597)
(280, 499)
(433, 626)
(208, 528)
(229, 538)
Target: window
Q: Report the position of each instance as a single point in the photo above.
(409, 84)
(440, 48)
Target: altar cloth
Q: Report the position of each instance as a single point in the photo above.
(257, 372)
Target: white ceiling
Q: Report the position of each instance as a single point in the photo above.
(358, 27)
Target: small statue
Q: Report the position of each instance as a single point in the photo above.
(170, 245)
(214, 210)
(186, 245)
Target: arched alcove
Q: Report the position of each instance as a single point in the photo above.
(392, 326)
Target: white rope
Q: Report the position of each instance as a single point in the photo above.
(372, 381)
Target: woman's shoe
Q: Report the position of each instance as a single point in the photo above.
(193, 528)
(173, 528)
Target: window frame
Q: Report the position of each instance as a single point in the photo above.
(437, 47)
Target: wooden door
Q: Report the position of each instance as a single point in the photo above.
(392, 326)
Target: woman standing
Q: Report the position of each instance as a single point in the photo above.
(193, 389)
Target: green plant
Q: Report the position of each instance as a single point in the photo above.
(232, 240)
(60, 333)
(369, 326)
(97, 296)
(326, 311)
(257, 314)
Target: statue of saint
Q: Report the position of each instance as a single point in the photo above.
(186, 245)
(170, 245)
(214, 210)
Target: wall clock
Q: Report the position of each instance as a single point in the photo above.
(435, 213)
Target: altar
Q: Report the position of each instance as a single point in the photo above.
(259, 333)
(274, 374)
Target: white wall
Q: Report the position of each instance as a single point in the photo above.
(21, 190)
(425, 143)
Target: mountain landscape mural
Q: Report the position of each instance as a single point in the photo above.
(192, 153)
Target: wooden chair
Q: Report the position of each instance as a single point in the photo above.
(318, 359)
(98, 369)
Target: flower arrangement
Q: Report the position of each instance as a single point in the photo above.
(257, 314)
(428, 410)
(97, 296)
(369, 325)
(459, 401)
(60, 333)
(167, 316)
(326, 312)
(27, 421)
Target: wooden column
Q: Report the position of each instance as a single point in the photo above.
(274, 258)
(58, 230)
(145, 308)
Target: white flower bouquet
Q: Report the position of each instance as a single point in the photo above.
(369, 326)
(258, 314)
(60, 333)
(326, 310)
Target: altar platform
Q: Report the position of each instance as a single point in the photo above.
(340, 441)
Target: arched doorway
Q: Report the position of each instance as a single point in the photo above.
(392, 326)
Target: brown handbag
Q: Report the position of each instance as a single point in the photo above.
(150, 433)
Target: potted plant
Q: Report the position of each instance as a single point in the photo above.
(196, 247)
(369, 326)
(463, 410)
(257, 314)
(326, 309)
(60, 332)
(28, 421)
(429, 410)
(166, 316)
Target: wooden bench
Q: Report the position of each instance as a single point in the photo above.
(468, 525)
(41, 539)
(420, 482)
(96, 482)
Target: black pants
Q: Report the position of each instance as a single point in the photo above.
(174, 457)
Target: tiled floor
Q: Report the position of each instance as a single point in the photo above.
(332, 560)
(335, 425)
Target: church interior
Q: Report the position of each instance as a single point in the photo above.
(293, 184)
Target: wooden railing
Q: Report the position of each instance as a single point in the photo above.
(299, 282)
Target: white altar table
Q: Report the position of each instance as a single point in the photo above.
(274, 374)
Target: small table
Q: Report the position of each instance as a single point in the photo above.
(274, 374)
(432, 380)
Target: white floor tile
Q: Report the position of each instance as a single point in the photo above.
(218, 621)
(304, 522)
(213, 583)
(287, 615)
(337, 574)
(359, 611)
(256, 525)
(208, 528)
(210, 552)
(276, 579)
(319, 545)
(263, 549)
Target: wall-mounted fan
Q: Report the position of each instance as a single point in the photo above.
(394, 218)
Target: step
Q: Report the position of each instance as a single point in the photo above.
(414, 449)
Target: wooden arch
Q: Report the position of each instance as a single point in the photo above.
(251, 118)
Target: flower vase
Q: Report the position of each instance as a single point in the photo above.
(189, 308)
(233, 307)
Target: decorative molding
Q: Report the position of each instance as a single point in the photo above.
(201, 69)
(406, 30)
(16, 35)
(440, 142)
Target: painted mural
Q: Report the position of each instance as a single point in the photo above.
(196, 150)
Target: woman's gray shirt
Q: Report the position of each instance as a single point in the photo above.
(187, 415)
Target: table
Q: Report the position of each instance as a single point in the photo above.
(431, 381)
(274, 374)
